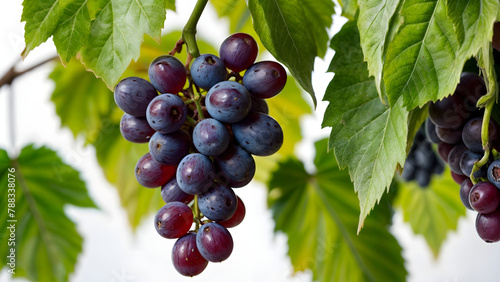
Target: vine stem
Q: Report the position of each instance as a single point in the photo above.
(487, 101)
(196, 213)
(189, 30)
(12, 74)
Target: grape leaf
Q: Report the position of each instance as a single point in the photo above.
(373, 24)
(47, 243)
(425, 58)
(285, 31)
(349, 8)
(367, 136)
(72, 32)
(170, 5)
(116, 35)
(41, 17)
(433, 211)
(318, 212)
(83, 103)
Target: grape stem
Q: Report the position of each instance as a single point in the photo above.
(12, 74)
(189, 30)
(487, 101)
(196, 213)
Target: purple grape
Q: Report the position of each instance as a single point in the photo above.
(467, 161)
(454, 158)
(150, 173)
(470, 89)
(239, 51)
(458, 178)
(167, 74)
(471, 134)
(214, 242)
(210, 137)
(169, 149)
(135, 129)
(173, 220)
(166, 113)
(186, 258)
(171, 192)
(448, 112)
(218, 203)
(465, 188)
(195, 174)
(133, 94)
(488, 226)
(494, 173)
(265, 79)
(449, 135)
(484, 197)
(259, 134)
(237, 166)
(237, 217)
(444, 150)
(228, 101)
(208, 70)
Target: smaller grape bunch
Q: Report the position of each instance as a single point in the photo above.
(203, 131)
(422, 162)
(455, 124)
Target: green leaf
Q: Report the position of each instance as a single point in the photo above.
(433, 211)
(319, 16)
(116, 35)
(367, 136)
(425, 58)
(285, 31)
(47, 243)
(41, 17)
(349, 8)
(319, 213)
(73, 30)
(83, 103)
(170, 5)
(373, 24)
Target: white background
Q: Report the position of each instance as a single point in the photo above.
(111, 252)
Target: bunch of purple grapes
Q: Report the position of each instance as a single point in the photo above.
(203, 130)
(454, 124)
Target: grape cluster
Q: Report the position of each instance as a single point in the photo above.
(454, 124)
(422, 163)
(203, 130)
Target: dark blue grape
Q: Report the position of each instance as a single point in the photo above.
(166, 113)
(259, 105)
(169, 149)
(238, 51)
(214, 242)
(186, 258)
(208, 70)
(449, 135)
(167, 74)
(423, 177)
(150, 173)
(133, 95)
(465, 188)
(409, 170)
(454, 158)
(237, 166)
(195, 174)
(467, 161)
(447, 113)
(218, 203)
(228, 101)
(171, 192)
(259, 134)
(265, 79)
(471, 134)
(210, 137)
(430, 132)
(135, 129)
(494, 173)
(173, 220)
(237, 217)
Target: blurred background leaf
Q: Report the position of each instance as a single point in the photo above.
(319, 214)
(47, 242)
